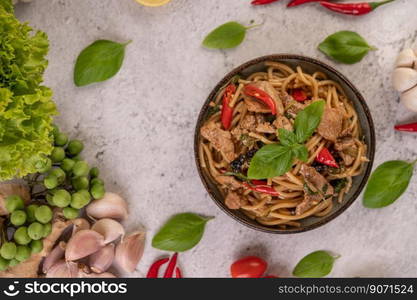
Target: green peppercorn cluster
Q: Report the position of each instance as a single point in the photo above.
(32, 224)
(70, 182)
(66, 181)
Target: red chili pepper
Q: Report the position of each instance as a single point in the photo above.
(169, 272)
(154, 269)
(299, 2)
(356, 9)
(259, 94)
(261, 187)
(227, 111)
(178, 273)
(411, 127)
(326, 158)
(299, 95)
(263, 2)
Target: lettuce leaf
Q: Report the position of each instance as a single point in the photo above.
(26, 107)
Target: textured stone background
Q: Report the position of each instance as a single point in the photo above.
(138, 127)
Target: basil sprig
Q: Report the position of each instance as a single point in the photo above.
(387, 183)
(181, 233)
(98, 62)
(276, 159)
(345, 46)
(315, 265)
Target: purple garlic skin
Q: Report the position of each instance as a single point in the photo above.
(63, 269)
(54, 256)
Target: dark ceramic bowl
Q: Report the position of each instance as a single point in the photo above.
(309, 65)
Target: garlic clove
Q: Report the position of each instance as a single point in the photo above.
(83, 243)
(95, 275)
(63, 269)
(406, 58)
(101, 260)
(54, 256)
(129, 251)
(109, 228)
(404, 79)
(409, 99)
(80, 224)
(110, 206)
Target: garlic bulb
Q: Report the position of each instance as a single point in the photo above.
(405, 78)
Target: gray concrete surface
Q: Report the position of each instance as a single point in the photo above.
(138, 127)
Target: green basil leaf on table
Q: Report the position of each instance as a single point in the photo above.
(387, 183)
(314, 265)
(271, 161)
(286, 137)
(181, 233)
(99, 62)
(228, 35)
(345, 46)
(308, 120)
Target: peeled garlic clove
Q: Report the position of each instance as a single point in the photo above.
(409, 99)
(129, 251)
(83, 243)
(63, 269)
(404, 79)
(406, 58)
(110, 206)
(109, 228)
(100, 261)
(80, 224)
(54, 256)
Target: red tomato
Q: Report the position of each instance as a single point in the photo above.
(248, 267)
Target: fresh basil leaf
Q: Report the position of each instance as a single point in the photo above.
(308, 120)
(270, 161)
(181, 233)
(345, 46)
(286, 137)
(98, 62)
(300, 152)
(315, 265)
(387, 183)
(228, 35)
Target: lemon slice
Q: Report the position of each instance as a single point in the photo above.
(152, 2)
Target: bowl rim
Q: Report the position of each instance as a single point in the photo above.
(279, 57)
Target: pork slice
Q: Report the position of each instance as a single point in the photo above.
(256, 106)
(266, 127)
(249, 122)
(234, 200)
(292, 107)
(228, 181)
(316, 181)
(283, 122)
(220, 139)
(316, 189)
(308, 202)
(331, 124)
(347, 148)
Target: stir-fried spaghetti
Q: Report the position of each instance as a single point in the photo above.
(310, 187)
